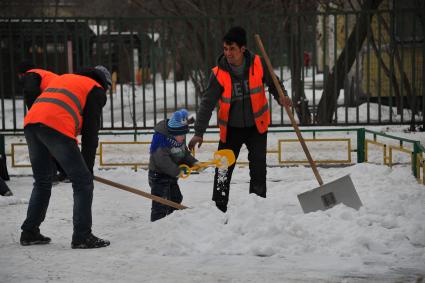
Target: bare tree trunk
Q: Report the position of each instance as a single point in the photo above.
(327, 105)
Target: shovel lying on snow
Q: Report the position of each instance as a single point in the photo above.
(140, 193)
(327, 195)
(222, 159)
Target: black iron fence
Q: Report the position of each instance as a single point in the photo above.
(341, 68)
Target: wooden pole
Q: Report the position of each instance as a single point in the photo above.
(288, 110)
(140, 193)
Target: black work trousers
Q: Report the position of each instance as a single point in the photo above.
(256, 144)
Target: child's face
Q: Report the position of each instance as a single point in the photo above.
(180, 139)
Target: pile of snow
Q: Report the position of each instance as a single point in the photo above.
(270, 239)
(390, 223)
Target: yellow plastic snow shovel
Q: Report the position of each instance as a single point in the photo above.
(327, 195)
(223, 158)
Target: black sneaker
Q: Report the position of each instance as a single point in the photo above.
(33, 238)
(8, 194)
(91, 242)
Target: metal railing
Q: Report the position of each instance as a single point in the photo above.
(358, 144)
(160, 64)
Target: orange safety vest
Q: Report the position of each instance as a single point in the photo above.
(260, 107)
(46, 77)
(61, 105)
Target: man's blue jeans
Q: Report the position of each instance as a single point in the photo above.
(44, 144)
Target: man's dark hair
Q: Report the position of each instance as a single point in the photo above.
(237, 35)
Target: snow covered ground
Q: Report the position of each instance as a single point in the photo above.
(268, 240)
(257, 240)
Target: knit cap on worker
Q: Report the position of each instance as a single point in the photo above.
(178, 124)
(106, 73)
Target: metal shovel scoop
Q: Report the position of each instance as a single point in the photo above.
(327, 195)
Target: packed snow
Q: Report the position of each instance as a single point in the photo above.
(270, 239)
(256, 240)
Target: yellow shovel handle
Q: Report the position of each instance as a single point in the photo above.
(189, 170)
(205, 164)
(184, 175)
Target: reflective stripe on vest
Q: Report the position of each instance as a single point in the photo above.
(61, 105)
(251, 92)
(260, 108)
(260, 112)
(72, 96)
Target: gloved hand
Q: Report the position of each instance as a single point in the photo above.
(184, 170)
(285, 101)
(195, 140)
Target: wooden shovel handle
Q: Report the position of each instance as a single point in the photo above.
(140, 193)
(288, 110)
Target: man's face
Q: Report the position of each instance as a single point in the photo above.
(233, 53)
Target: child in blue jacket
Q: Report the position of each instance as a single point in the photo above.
(168, 150)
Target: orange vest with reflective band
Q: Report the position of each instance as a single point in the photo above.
(260, 107)
(46, 77)
(61, 105)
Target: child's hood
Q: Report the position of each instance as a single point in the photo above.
(161, 128)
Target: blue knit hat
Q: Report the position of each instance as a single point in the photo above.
(178, 125)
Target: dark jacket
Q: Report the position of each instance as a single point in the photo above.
(31, 86)
(96, 100)
(241, 109)
(166, 159)
(33, 83)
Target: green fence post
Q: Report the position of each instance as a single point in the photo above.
(361, 135)
(416, 150)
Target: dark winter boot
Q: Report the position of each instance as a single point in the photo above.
(259, 190)
(221, 205)
(91, 242)
(33, 238)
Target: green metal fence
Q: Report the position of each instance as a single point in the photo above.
(359, 138)
(163, 63)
